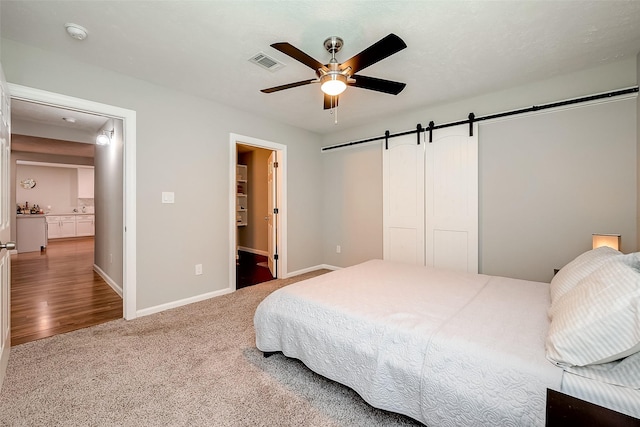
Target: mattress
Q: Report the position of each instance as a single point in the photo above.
(445, 348)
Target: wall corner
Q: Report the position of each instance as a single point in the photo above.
(638, 155)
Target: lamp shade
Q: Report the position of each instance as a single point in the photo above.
(611, 240)
(333, 84)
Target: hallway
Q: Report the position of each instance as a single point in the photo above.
(57, 291)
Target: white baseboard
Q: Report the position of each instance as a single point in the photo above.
(209, 295)
(179, 303)
(314, 268)
(108, 279)
(253, 251)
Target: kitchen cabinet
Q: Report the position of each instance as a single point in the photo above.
(85, 225)
(78, 225)
(61, 226)
(85, 183)
(31, 235)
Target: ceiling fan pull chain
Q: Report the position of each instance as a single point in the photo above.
(335, 116)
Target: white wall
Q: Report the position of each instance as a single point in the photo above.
(43, 158)
(41, 130)
(55, 186)
(352, 224)
(182, 146)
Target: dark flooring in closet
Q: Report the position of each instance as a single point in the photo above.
(251, 269)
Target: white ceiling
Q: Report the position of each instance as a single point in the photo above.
(54, 116)
(456, 49)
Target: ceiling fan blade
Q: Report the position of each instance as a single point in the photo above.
(374, 53)
(298, 55)
(380, 85)
(289, 86)
(330, 101)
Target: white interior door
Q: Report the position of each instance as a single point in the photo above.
(272, 207)
(5, 230)
(452, 199)
(403, 200)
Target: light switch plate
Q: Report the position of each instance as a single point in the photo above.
(168, 197)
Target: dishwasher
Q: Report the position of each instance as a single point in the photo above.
(31, 234)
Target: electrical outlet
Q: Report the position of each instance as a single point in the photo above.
(198, 269)
(338, 249)
(110, 258)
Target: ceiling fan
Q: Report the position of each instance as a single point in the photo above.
(335, 77)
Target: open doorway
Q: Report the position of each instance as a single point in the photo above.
(258, 221)
(115, 233)
(257, 259)
(63, 276)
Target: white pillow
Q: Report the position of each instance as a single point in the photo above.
(598, 321)
(569, 276)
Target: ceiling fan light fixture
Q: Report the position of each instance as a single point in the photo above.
(333, 84)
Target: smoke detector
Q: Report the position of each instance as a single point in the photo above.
(76, 31)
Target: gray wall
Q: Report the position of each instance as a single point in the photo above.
(352, 210)
(638, 150)
(548, 181)
(183, 146)
(108, 191)
(524, 260)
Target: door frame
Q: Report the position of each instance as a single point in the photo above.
(281, 198)
(128, 118)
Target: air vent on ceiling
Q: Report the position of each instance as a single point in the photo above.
(266, 62)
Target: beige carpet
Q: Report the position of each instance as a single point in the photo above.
(195, 365)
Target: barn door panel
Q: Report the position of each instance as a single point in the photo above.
(403, 200)
(451, 191)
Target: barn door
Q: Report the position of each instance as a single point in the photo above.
(403, 200)
(451, 185)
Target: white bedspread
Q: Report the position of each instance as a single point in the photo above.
(442, 347)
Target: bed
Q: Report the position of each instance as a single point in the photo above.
(442, 347)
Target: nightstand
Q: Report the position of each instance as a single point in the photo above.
(567, 411)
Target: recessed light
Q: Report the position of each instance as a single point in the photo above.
(76, 31)
(69, 119)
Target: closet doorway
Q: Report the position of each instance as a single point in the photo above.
(258, 220)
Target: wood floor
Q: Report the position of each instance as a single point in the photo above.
(57, 291)
(251, 269)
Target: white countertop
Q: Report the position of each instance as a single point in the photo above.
(52, 214)
(67, 214)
